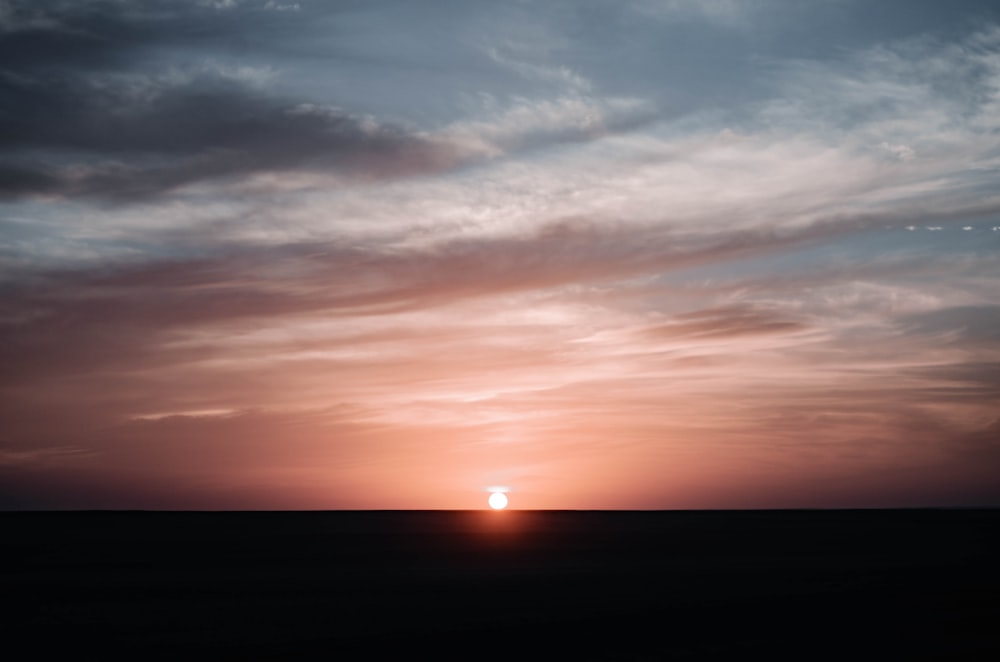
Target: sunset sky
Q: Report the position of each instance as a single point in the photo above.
(274, 254)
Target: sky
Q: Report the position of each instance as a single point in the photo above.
(647, 254)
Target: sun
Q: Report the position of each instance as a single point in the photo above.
(498, 501)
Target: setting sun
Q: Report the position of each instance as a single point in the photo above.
(498, 501)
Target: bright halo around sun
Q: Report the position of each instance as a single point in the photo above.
(498, 501)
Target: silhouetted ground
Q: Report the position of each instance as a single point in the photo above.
(887, 585)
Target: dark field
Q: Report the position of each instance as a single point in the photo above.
(887, 585)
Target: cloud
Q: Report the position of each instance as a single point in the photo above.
(912, 96)
(530, 124)
(171, 135)
(901, 152)
(81, 122)
(723, 12)
(546, 73)
(731, 321)
(962, 326)
(549, 278)
(30, 456)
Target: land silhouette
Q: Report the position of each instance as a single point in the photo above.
(510, 585)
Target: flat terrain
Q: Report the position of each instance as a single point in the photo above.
(579, 585)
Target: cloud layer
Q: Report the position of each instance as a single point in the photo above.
(286, 256)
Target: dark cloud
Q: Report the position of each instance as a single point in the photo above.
(80, 119)
(16, 180)
(55, 35)
(122, 101)
(76, 140)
